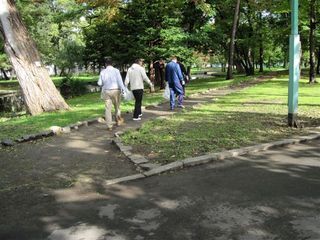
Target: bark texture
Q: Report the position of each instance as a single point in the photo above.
(233, 36)
(312, 16)
(39, 92)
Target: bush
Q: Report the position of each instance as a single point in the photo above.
(71, 87)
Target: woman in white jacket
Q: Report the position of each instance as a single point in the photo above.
(135, 76)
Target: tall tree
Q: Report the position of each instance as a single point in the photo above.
(312, 22)
(232, 40)
(55, 25)
(39, 92)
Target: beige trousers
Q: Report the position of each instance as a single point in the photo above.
(111, 97)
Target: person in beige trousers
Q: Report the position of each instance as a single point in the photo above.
(111, 87)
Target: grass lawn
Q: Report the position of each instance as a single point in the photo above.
(90, 106)
(253, 115)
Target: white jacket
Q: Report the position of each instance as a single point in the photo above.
(135, 76)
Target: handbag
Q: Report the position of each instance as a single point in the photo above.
(127, 95)
(166, 93)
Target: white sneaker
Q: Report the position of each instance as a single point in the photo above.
(140, 115)
(136, 119)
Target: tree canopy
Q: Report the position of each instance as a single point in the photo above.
(83, 33)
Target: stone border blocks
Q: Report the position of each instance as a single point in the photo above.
(194, 161)
(140, 161)
(54, 130)
(164, 168)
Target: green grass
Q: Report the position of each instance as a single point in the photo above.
(250, 116)
(87, 107)
(82, 108)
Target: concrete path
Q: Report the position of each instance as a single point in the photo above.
(270, 195)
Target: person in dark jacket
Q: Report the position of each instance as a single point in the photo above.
(159, 67)
(174, 77)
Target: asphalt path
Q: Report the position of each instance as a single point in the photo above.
(270, 195)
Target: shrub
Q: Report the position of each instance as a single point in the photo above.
(71, 87)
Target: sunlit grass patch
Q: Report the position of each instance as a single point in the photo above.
(253, 115)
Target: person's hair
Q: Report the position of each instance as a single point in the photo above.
(138, 60)
(174, 58)
(108, 61)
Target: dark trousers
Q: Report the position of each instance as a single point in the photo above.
(138, 93)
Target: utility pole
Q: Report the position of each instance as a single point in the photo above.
(294, 68)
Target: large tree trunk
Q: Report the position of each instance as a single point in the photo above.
(39, 92)
(312, 16)
(233, 36)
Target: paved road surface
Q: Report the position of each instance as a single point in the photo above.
(270, 195)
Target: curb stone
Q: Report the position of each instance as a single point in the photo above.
(124, 179)
(164, 168)
(54, 130)
(200, 160)
(140, 161)
(7, 143)
(188, 162)
(148, 166)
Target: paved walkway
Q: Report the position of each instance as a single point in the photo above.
(86, 152)
(270, 195)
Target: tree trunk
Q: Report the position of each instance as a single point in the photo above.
(62, 72)
(5, 74)
(38, 90)
(55, 70)
(261, 50)
(318, 61)
(232, 40)
(312, 16)
(285, 61)
(223, 67)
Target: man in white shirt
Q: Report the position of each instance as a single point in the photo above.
(111, 86)
(135, 76)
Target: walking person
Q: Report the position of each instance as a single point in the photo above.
(159, 67)
(174, 77)
(135, 76)
(111, 86)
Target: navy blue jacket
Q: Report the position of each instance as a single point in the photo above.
(173, 73)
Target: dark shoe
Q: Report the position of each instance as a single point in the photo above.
(181, 106)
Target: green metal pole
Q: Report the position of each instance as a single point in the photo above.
(294, 68)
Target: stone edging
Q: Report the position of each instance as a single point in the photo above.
(140, 161)
(194, 161)
(54, 130)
